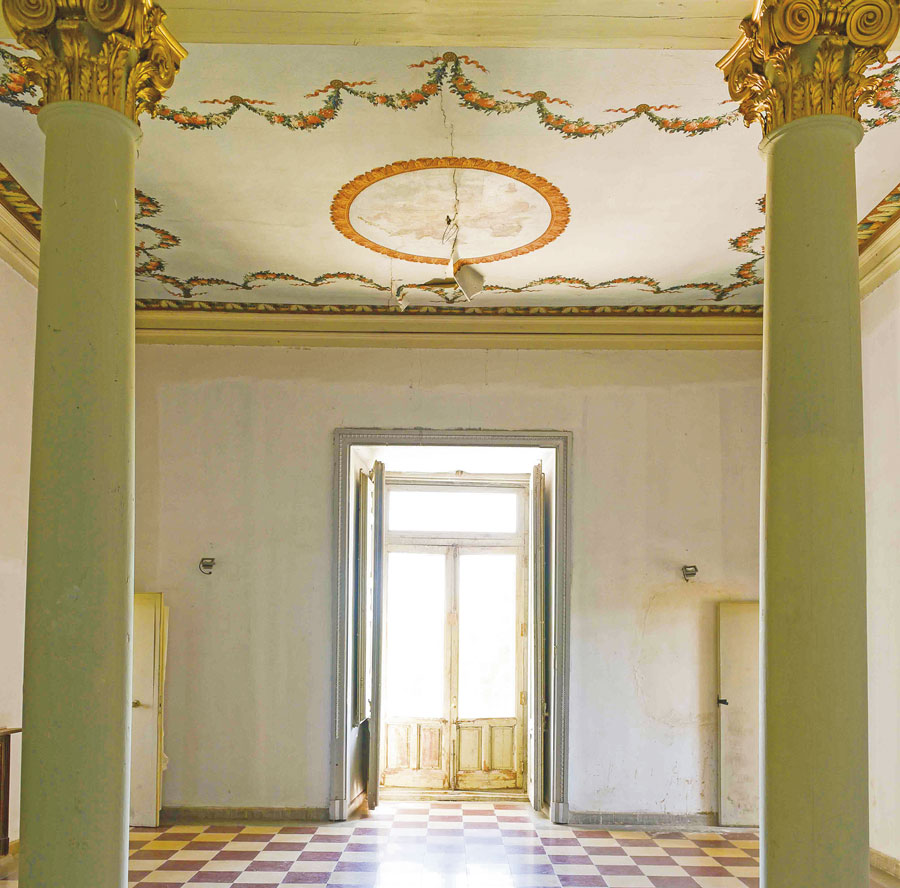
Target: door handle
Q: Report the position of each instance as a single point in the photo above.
(136, 704)
(722, 702)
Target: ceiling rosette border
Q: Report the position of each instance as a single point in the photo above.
(554, 198)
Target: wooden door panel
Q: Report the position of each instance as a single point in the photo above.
(398, 746)
(502, 747)
(416, 754)
(488, 754)
(470, 748)
(430, 747)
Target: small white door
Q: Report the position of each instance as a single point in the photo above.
(146, 708)
(739, 713)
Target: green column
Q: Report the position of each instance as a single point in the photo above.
(801, 69)
(78, 616)
(815, 810)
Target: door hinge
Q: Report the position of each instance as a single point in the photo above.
(521, 696)
(524, 630)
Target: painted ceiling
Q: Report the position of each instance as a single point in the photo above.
(341, 178)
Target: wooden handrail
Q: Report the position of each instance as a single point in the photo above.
(5, 748)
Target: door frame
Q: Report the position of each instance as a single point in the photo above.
(558, 592)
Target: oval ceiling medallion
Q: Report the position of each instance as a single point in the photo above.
(402, 210)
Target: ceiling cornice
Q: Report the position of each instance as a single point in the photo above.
(441, 331)
(589, 24)
(19, 246)
(880, 259)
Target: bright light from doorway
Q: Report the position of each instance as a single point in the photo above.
(453, 511)
(414, 646)
(487, 635)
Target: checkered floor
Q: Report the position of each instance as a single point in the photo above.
(440, 845)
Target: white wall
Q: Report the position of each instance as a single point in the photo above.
(235, 461)
(881, 388)
(17, 317)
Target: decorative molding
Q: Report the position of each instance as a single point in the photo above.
(343, 200)
(20, 228)
(19, 203)
(115, 53)
(708, 310)
(879, 219)
(798, 58)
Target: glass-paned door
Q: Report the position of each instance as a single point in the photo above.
(415, 744)
(454, 677)
(490, 669)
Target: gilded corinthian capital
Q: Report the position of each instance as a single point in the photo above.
(797, 58)
(116, 53)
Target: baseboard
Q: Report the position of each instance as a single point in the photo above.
(885, 863)
(641, 818)
(13, 847)
(182, 814)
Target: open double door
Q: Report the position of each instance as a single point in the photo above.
(454, 639)
(453, 708)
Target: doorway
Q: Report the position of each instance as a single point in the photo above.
(455, 633)
(444, 542)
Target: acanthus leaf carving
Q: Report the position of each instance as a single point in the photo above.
(799, 58)
(116, 53)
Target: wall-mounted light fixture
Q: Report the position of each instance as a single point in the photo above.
(689, 571)
(206, 565)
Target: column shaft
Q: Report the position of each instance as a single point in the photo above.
(814, 743)
(76, 737)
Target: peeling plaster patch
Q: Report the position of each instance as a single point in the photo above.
(675, 630)
(409, 213)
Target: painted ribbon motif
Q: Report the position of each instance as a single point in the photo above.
(151, 239)
(152, 267)
(444, 72)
